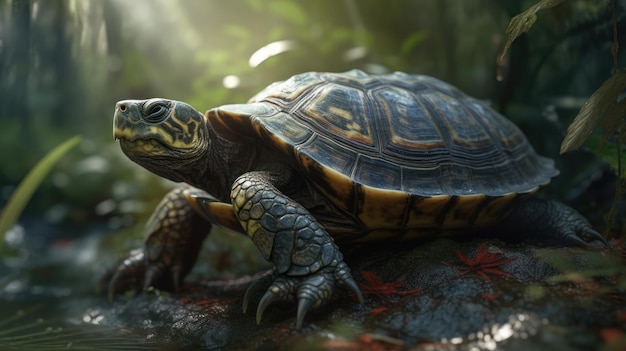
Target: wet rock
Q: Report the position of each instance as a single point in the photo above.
(445, 294)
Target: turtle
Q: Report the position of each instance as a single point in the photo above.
(326, 159)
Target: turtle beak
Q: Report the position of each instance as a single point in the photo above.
(116, 132)
(120, 108)
(127, 113)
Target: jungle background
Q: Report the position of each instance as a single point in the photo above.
(64, 64)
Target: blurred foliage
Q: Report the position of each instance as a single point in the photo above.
(606, 108)
(11, 212)
(601, 266)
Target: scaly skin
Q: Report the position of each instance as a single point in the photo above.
(174, 236)
(307, 263)
(549, 221)
(308, 266)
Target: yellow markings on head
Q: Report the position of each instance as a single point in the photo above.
(176, 133)
(122, 133)
(165, 136)
(148, 146)
(142, 147)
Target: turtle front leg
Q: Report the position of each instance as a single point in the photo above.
(307, 263)
(174, 235)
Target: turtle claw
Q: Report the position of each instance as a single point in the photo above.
(304, 306)
(589, 235)
(578, 232)
(550, 221)
(111, 290)
(157, 276)
(345, 281)
(584, 239)
(135, 273)
(150, 277)
(128, 275)
(268, 298)
(310, 291)
(314, 291)
(281, 289)
(257, 286)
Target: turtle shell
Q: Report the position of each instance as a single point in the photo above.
(396, 151)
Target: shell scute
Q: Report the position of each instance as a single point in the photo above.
(340, 110)
(290, 130)
(329, 153)
(410, 126)
(377, 173)
(289, 90)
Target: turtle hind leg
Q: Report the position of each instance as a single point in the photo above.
(552, 222)
(308, 266)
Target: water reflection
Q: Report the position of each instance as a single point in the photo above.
(518, 326)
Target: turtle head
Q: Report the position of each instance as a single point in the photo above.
(166, 137)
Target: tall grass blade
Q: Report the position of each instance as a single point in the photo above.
(27, 186)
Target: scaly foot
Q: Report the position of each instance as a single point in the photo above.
(174, 236)
(310, 291)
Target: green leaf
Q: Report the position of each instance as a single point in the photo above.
(522, 22)
(607, 154)
(601, 108)
(237, 32)
(412, 41)
(27, 186)
(613, 120)
(288, 10)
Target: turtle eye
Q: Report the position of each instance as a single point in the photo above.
(155, 112)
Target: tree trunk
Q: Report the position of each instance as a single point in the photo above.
(15, 66)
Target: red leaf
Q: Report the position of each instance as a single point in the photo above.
(378, 287)
(490, 297)
(484, 262)
(610, 335)
(379, 309)
(621, 317)
(371, 278)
